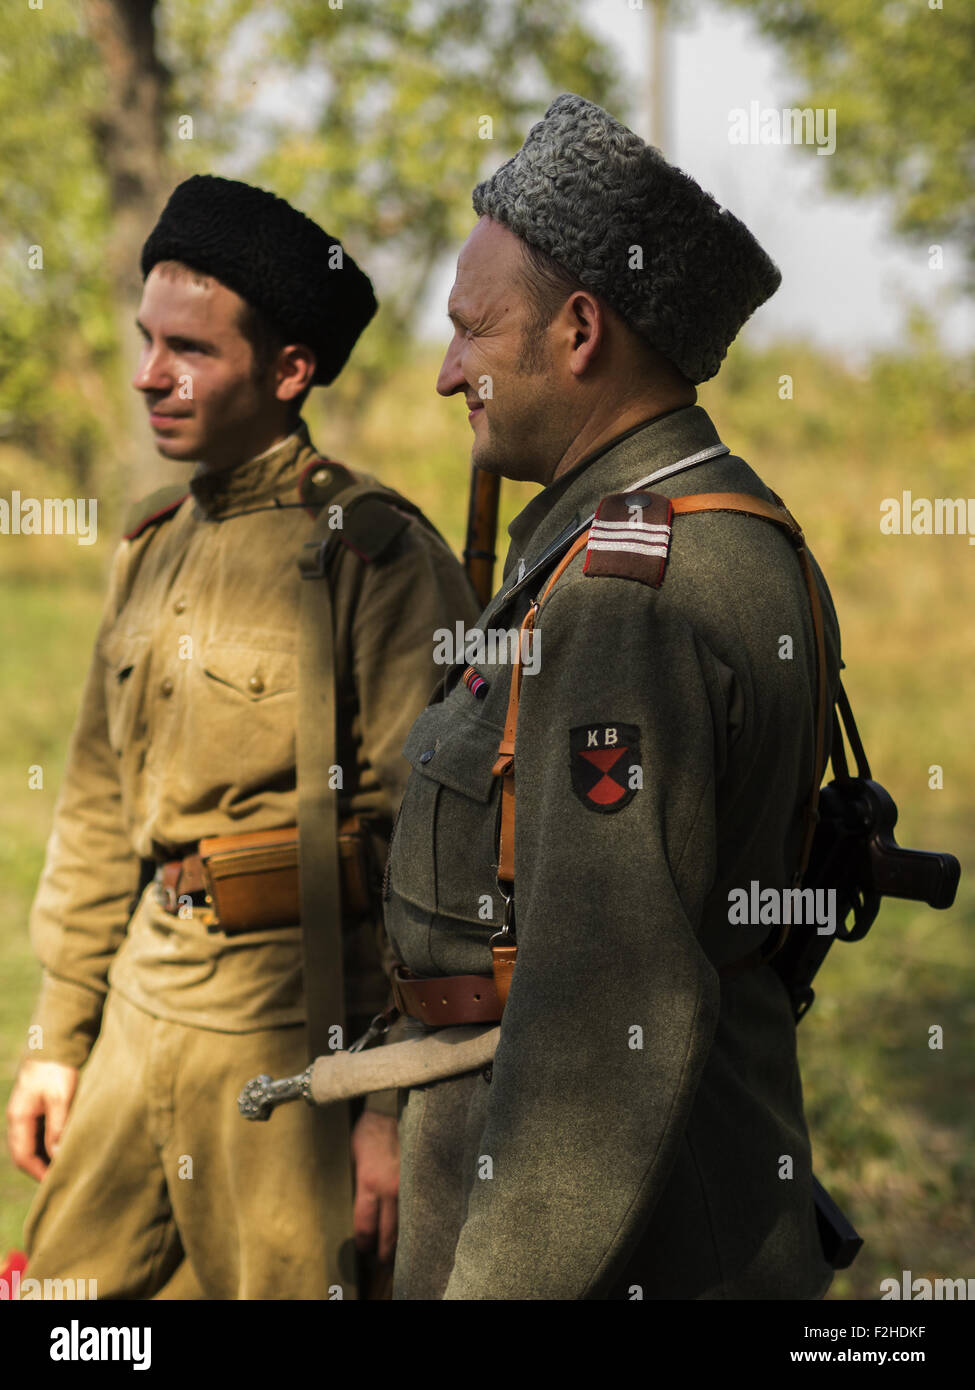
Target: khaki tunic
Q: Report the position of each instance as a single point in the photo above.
(630, 1140)
(187, 729)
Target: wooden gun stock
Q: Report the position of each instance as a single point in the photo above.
(482, 525)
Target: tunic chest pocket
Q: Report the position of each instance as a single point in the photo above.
(126, 657)
(445, 852)
(237, 721)
(254, 672)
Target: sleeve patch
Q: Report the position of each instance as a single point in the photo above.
(630, 538)
(606, 765)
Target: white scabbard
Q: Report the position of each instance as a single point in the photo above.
(343, 1075)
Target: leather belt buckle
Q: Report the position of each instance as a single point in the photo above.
(166, 891)
(164, 894)
(166, 884)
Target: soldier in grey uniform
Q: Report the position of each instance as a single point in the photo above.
(641, 1131)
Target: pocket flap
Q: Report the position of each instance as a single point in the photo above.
(254, 672)
(121, 651)
(458, 754)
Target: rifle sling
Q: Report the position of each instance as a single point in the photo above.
(319, 889)
(319, 868)
(853, 734)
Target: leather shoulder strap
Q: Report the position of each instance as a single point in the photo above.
(780, 516)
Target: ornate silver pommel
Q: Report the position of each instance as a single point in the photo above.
(262, 1094)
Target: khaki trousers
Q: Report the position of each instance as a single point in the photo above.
(161, 1189)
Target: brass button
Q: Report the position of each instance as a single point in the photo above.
(179, 605)
(256, 684)
(166, 687)
(321, 477)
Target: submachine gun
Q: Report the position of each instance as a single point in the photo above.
(855, 855)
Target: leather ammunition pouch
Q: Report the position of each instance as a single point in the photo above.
(249, 882)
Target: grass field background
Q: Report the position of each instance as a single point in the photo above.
(892, 1120)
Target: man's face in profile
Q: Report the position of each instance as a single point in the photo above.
(197, 370)
(506, 376)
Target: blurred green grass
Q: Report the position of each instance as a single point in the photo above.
(891, 1119)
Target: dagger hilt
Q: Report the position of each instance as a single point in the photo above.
(261, 1094)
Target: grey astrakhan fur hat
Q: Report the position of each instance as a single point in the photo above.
(587, 191)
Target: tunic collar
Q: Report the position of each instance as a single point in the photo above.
(256, 482)
(566, 505)
(615, 467)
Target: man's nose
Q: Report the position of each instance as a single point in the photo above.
(451, 378)
(152, 373)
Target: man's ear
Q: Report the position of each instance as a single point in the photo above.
(294, 371)
(584, 323)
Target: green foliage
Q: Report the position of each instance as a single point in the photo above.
(47, 624)
(385, 151)
(403, 107)
(56, 334)
(901, 78)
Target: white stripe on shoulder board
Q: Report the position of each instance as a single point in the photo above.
(661, 550)
(631, 525)
(630, 537)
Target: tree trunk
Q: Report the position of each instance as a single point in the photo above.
(131, 139)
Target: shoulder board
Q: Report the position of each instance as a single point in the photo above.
(321, 481)
(630, 538)
(371, 522)
(159, 505)
(371, 516)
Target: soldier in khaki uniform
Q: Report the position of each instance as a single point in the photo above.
(187, 730)
(641, 1130)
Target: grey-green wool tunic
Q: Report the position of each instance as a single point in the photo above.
(632, 1140)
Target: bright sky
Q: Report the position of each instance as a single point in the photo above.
(846, 282)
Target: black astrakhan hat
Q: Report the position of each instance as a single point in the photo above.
(273, 256)
(587, 191)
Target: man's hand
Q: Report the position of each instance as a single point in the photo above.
(36, 1112)
(375, 1155)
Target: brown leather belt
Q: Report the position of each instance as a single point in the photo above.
(447, 1000)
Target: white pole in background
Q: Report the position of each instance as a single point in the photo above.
(655, 96)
